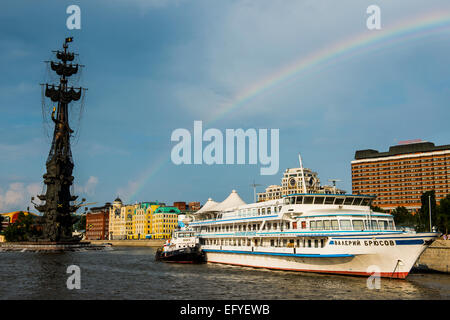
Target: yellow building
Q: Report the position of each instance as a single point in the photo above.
(129, 211)
(121, 220)
(142, 219)
(116, 221)
(164, 222)
(146, 220)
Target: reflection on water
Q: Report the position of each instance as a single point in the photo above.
(132, 273)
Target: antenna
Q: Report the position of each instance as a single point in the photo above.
(303, 174)
(334, 181)
(254, 185)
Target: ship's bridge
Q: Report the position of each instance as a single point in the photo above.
(329, 199)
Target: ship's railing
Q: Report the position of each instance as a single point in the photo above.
(269, 249)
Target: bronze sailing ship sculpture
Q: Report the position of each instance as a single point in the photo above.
(58, 205)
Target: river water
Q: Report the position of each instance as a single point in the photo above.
(132, 273)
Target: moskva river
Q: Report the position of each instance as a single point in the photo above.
(133, 273)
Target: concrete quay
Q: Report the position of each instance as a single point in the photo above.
(435, 258)
(131, 243)
(50, 246)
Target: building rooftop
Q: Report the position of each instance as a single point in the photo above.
(400, 149)
(167, 210)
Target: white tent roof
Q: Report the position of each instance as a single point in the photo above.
(232, 201)
(207, 206)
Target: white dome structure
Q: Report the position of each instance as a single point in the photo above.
(232, 201)
(207, 206)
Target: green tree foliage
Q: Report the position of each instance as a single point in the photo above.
(443, 215)
(79, 222)
(423, 215)
(376, 209)
(23, 229)
(403, 218)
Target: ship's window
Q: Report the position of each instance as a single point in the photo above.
(291, 200)
(279, 209)
(374, 225)
(319, 200)
(348, 201)
(263, 210)
(329, 200)
(365, 202)
(294, 225)
(339, 201)
(309, 243)
(358, 225)
(383, 224)
(272, 243)
(322, 243)
(268, 226)
(284, 242)
(303, 224)
(308, 200)
(299, 200)
(319, 225)
(345, 225)
(334, 225)
(268, 210)
(326, 225)
(391, 225)
(312, 225)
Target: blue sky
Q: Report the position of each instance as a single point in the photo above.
(155, 66)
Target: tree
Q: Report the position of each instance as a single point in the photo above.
(79, 222)
(443, 215)
(402, 217)
(376, 209)
(423, 215)
(23, 229)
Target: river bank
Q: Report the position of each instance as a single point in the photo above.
(131, 243)
(436, 257)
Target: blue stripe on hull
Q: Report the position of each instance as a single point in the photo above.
(408, 242)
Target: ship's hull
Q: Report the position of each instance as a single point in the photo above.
(186, 255)
(392, 256)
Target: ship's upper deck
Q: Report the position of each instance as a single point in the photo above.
(300, 204)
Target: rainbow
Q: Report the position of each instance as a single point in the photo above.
(367, 41)
(136, 187)
(405, 30)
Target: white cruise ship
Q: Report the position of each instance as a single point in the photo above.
(322, 233)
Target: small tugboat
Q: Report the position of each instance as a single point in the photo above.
(184, 247)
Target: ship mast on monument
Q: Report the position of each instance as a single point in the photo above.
(58, 202)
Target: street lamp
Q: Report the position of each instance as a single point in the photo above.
(429, 210)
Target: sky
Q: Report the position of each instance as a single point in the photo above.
(153, 66)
